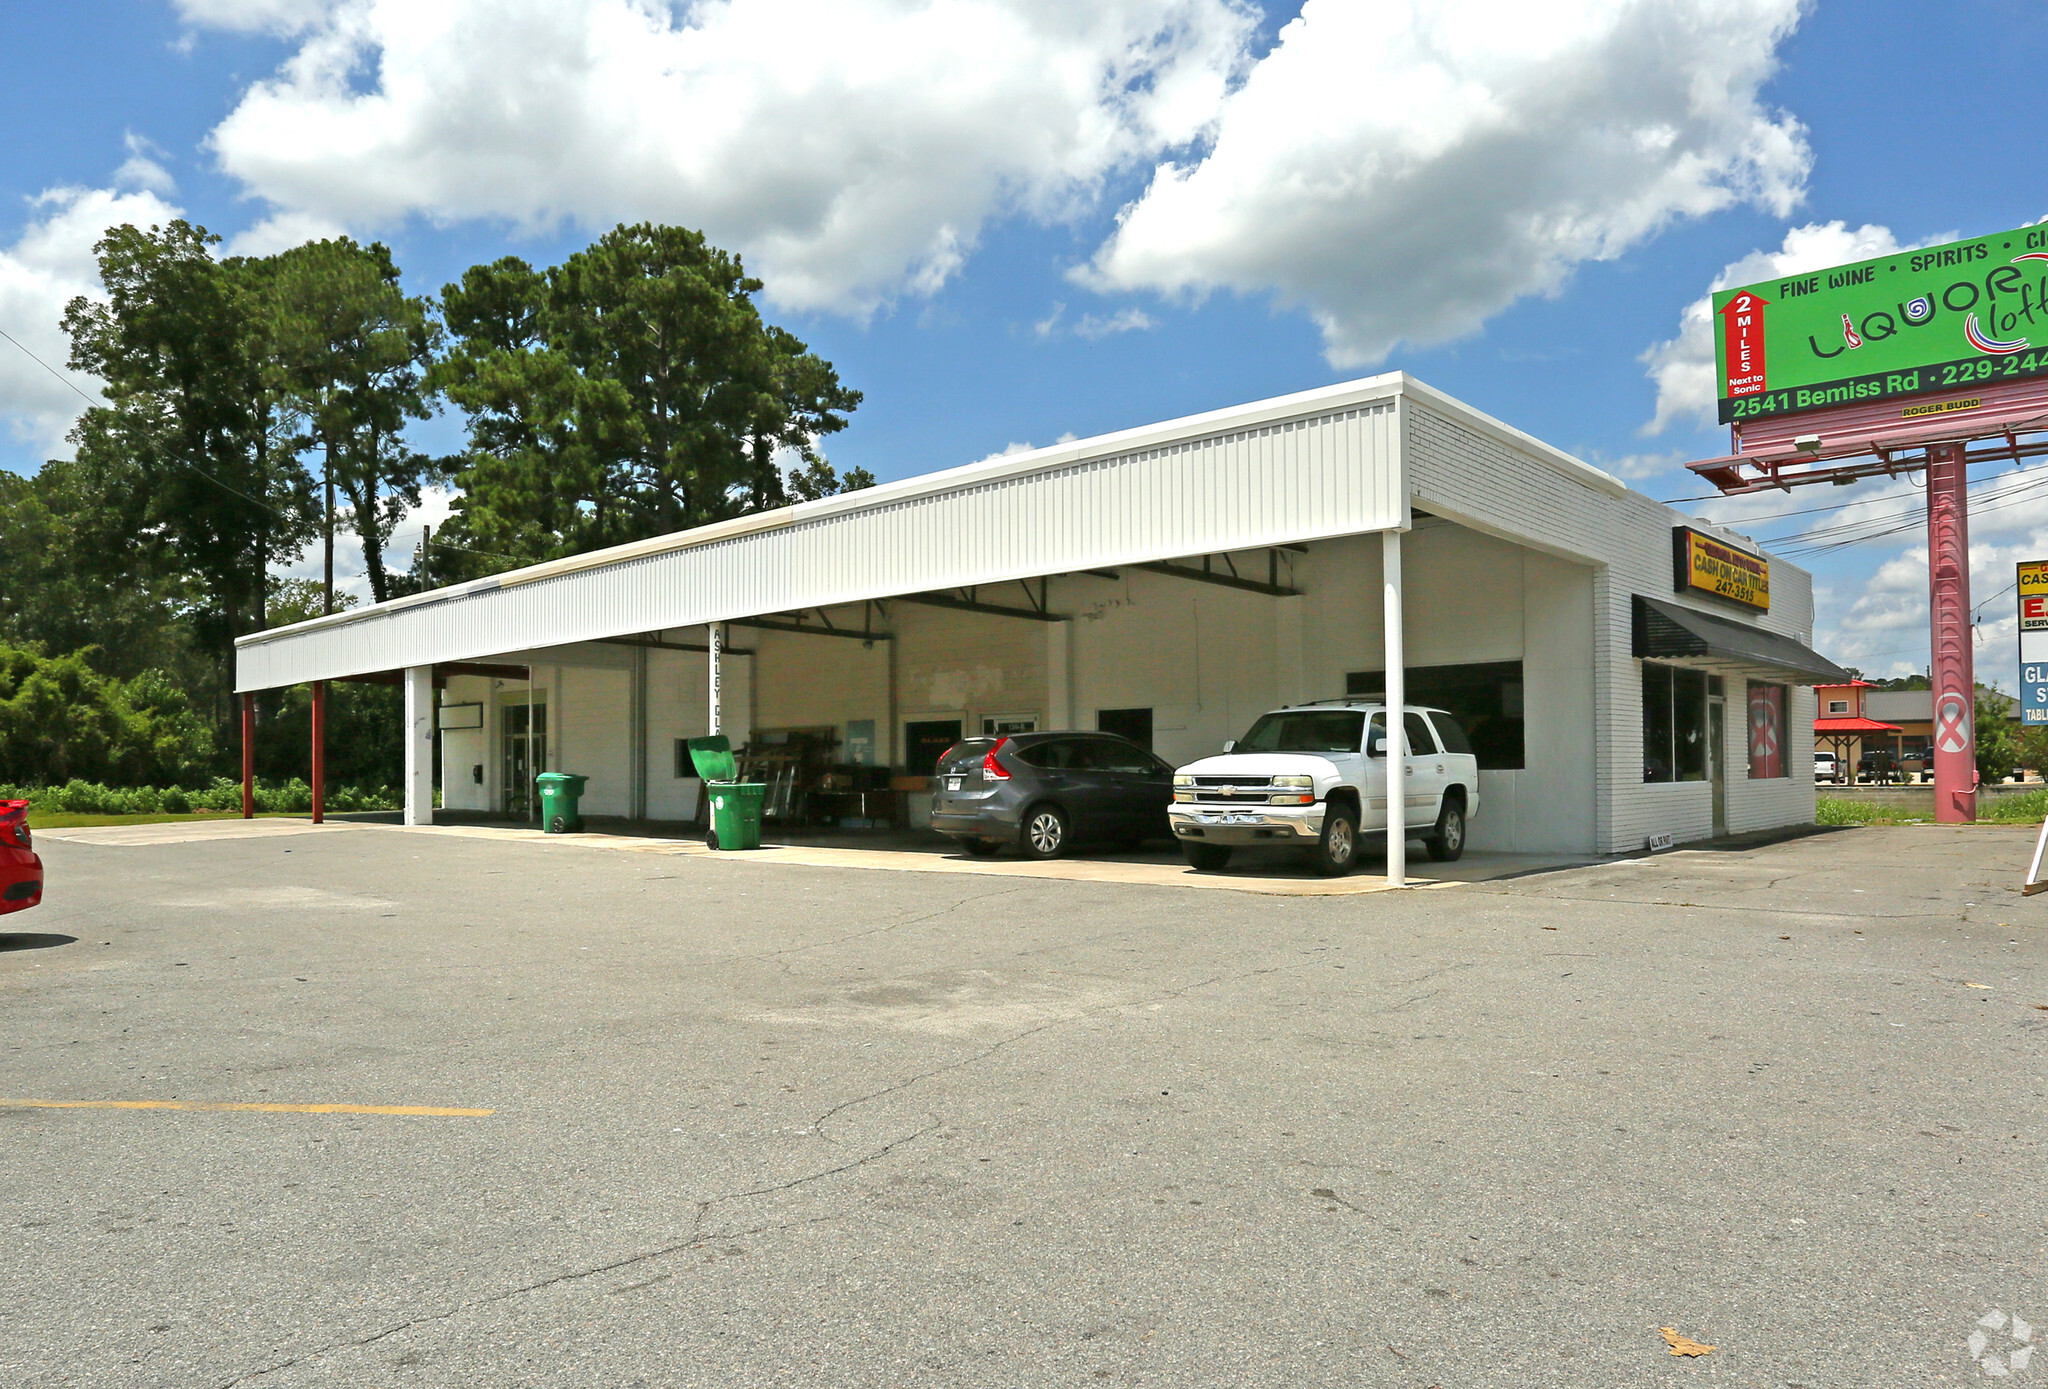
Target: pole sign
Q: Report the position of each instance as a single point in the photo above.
(2033, 591)
(1945, 318)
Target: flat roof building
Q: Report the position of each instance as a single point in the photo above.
(1171, 582)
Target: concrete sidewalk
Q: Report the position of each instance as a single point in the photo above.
(1276, 875)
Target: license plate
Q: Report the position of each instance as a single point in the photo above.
(952, 783)
(1227, 819)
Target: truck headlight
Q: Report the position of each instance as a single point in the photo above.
(1307, 781)
(1179, 780)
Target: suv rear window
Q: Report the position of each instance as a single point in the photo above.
(1306, 730)
(966, 756)
(1453, 736)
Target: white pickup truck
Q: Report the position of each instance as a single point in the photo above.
(1314, 777)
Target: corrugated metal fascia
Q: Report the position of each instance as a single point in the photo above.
(1285, 480)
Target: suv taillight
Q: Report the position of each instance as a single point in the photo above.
(992, 770)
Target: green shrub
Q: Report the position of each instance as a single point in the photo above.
(2025, 807)
(61, 720)
(292, 797)
(1830, 811)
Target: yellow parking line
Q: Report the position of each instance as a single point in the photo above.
(254, 1108)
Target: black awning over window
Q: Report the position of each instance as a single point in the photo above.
(1668, 632)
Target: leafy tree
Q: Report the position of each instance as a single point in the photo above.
(632, 391)
(61, 719)
(2030, 747)
(352, 351)
(63, 592)
(1997, 739)
(187, 460)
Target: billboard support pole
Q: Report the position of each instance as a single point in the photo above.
(1953, 664)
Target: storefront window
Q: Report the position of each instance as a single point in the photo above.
(1674, 723)
(1485, 698)
(1766, 731)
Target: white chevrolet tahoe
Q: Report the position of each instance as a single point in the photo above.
(1315, 777)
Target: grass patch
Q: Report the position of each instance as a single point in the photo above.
(71, 820)
(1828, 810)
(2028, 807)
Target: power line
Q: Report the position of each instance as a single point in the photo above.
(98, 405)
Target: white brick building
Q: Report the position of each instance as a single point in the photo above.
(1174, 581)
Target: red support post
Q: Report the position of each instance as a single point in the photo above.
(1953, 660)
(319, 751)
(248, 756)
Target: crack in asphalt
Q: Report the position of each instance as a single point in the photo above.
(818, 1124)
(693, 1239)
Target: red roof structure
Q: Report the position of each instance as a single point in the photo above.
(1853, 726)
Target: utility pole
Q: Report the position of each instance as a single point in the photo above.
(327, 591)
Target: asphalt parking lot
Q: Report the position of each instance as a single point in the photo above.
(833, 1126)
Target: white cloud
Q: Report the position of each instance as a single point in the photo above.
(351, 571)
(255, 16)
(48, 264)
(1093, 327)
(279, 232)
(1683, 367)
(852, 149)
(141, 169)
(1408, 168)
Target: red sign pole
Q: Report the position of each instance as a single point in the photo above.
(1954, 666)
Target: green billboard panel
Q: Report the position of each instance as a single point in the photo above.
(1940, 318)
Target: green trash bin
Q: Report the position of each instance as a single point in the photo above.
(735, 805)
(560, 796)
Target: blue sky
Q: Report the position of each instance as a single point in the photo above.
(997, 257)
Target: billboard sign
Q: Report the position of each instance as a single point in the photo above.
(1702, 564)
(1944, 318)
(2033, 595)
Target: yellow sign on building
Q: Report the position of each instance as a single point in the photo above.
(1707, 565)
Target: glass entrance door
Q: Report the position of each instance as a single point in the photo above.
(526, 753)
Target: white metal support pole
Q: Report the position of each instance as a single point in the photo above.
(419, 745)
(712, 680)
(1397, 702)
(636, 736)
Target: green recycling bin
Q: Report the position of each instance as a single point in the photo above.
(735, 805)
(560, 796)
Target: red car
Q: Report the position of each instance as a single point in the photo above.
(21, 872)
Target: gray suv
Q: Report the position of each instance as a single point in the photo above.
(1045, 792)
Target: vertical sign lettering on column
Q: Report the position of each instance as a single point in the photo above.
(1742, 326)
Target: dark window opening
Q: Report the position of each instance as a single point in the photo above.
(1674, 723)
(1135, 724)
(1484, 697)
(924, 743)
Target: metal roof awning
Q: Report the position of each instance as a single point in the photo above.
(1847, 726)
(1667, 631)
